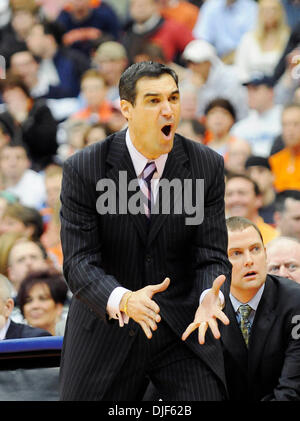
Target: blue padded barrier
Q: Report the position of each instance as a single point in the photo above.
(31, 344)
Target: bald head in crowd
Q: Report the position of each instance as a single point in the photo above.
(283, 258)
(6, 301)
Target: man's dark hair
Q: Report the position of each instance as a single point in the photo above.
(238, 223)
(282, 196)
(13, 81)
(229, 176)
(221, 103)
(17, 143)
(130, 77)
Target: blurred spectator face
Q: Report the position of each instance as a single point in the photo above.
(23, 258)
(22, 21)
(288, 221)
(188, 101)
(291, 126)
(219, 121)
(23, 64)
(36, 40)
(259, 97)
(142, 10)
(13, 162)
(16, 101)
(201, 69)
(111, 70)
(116, 121)
(40, 309)
(94, 91)
(240, 198)
(238, 152)
(10, 224)
(283, 259)
(53, 188)
(270, 12)
(185, 128)
(263, 177)
(96, 134)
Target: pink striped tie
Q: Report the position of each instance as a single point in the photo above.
(147, 175)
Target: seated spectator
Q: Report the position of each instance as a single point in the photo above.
(73, 131)
(95, 133)
(51, 236)
(259, 50)
(86, 23)
(182, 11)
(211, 78)
(110, 59)
(147, 24)
(192, 129)
(261, 343)
(287, 213)
(189, 103)
(263, 122)
(8, 328)
(22, 219)
(237, 155)
(222, 23)
(219, 118)
(61, 66)
(18, 178)
(258, 168)
(283, 258)
(41, 298)
(29, 121)
(243, 198)
(285, 164)
(94, 90)
(7, 241)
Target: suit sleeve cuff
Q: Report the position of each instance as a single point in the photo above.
(221, 297)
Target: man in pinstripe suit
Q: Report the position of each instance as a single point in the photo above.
(136, 277)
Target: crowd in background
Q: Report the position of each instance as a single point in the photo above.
(238, 63)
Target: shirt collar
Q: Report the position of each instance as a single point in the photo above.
(253, 303)
(139, 160)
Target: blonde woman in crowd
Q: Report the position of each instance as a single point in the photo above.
(260, 49)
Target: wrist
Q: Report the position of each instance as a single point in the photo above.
(124, 302)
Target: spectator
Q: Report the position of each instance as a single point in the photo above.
(110, 59)
(53, 179)
(258, 168)
(41, 298)
(30, 121)
(147, 24)
(219, 118)
(260, 49)
(222, 23)
(22, 219)
(8, 328)
(243, 198)
(7, 241)
(94, 90)
(287, 214)
(25, 257)
(19, 179)
(73, 130)
(211, 78)
(50, 9)
(285, 164)
(95, 133)
(283, 258)
(61, 67)
(237, 154)
(88, 23)
(263, 122)
(181, 11)
(51, 237)
(192, 129)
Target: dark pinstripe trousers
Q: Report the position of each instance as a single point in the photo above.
(175, 371)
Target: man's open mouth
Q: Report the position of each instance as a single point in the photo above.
(249, 274)
(166, 129)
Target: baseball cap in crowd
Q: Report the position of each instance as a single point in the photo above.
(257, 161)
(199, 50)
(110, 50)
(259, 79)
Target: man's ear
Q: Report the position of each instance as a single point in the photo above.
(8, 308)
(126, 108)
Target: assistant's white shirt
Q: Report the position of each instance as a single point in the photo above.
(139, 162)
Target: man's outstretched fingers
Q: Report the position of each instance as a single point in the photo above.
(218, 282)
(191, 327)
(201, 332)
(160, 287)
(222, 316)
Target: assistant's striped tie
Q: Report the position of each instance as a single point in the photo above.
(245, 324)
(147, 175)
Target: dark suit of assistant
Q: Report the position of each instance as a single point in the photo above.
(270, 368)
(102, 252)
(20, 330)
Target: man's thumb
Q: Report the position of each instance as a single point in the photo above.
(161, 287)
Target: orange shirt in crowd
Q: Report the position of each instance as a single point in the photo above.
(267, 231)
(104, 113)
(185, 13)
(286, 169)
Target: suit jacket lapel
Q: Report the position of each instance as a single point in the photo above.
(119, 160)
(174, 169)
(264, 319)
(232, 338)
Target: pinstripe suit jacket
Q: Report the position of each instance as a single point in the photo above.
(102, 252)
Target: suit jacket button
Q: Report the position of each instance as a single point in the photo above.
(131, 332)
(148, 258)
